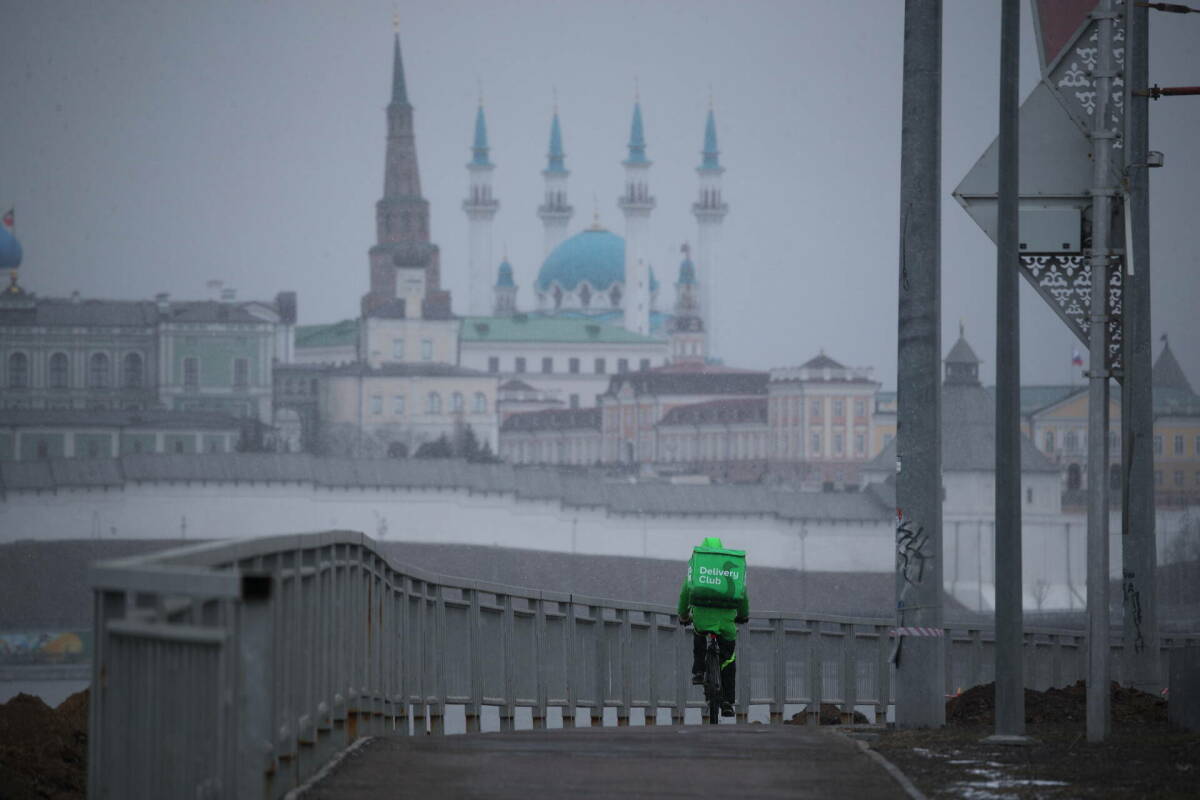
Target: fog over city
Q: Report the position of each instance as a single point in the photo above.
(153, 147)
(372, 369)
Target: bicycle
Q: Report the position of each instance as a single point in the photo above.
(712, 677)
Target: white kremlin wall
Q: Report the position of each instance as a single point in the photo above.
(1054, 549)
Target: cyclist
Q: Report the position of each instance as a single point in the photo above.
(721, 621)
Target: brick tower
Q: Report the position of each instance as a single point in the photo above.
(402, 214)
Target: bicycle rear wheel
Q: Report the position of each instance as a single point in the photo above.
(712, 685)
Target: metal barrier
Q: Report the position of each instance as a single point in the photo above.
(238, 669)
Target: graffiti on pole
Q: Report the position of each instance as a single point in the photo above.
(1133, 603)
(910, 550)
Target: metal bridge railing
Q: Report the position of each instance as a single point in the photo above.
(238, 669)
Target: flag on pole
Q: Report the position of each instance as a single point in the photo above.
(10, 219)
(1076, 358)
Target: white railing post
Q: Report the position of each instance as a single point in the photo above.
(849, 672)
(508, 709)
(540, 712)
(474, 710)
(255, 658)
(625, 650)
(778, 669)
(816, 673)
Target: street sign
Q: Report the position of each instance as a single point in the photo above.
(1056, 164)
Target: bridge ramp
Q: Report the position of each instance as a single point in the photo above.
(743, 762)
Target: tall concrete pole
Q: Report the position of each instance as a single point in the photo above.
(1139, 554)
(920, 659)
(1102, 135)
(1010, 670)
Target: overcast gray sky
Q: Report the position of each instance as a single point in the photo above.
(152, 146)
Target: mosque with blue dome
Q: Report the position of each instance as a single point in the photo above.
(596, 274)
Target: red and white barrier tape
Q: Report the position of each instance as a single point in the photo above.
(911, 631)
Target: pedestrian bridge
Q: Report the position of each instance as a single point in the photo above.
(239, 669)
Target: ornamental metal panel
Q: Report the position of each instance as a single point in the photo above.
(1065, 283)
(1073, 78)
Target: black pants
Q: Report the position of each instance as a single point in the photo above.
(728, 673)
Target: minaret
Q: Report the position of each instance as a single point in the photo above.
(555, 211)
(481, 207)
(687, 326)
(505, 291)
(402, 214)
(636, 203)
(710, 210)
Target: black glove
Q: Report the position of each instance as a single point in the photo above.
(741, 620)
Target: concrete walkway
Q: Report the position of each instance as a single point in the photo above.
(702, 761)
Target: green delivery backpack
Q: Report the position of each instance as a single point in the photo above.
(716, 577)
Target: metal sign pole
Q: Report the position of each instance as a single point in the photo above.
(920, 658)
(1102, 135)
(1138, 546)
(1010, 660)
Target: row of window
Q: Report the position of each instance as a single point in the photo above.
(714, 447)
(816, 407)
(1177, 445)
(574, 365)
(92, 448)
(191, 373)
(839, 444)
(579, 451)
(433, 403)
(426, 349)
(1075, 441)
(1178, 478)
(99, 371)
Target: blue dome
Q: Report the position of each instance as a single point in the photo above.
(594, 255)
(10, 250)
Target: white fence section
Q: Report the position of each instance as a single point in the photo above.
(238, 669)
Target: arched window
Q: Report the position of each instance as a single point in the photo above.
(433, 403)
(98, 371)
(60, 368)
(480, 406)
(585, 296)
(456, 402)
(1074, 477)
(558, 296)
(132, 371)
(614, 296)
(18, 371)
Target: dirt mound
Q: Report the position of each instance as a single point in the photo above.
(43, 751)
(75, 711)
(977, 706)
(831, 714)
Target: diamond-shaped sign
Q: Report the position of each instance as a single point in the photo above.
(1056, 174)
(1055, 177)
